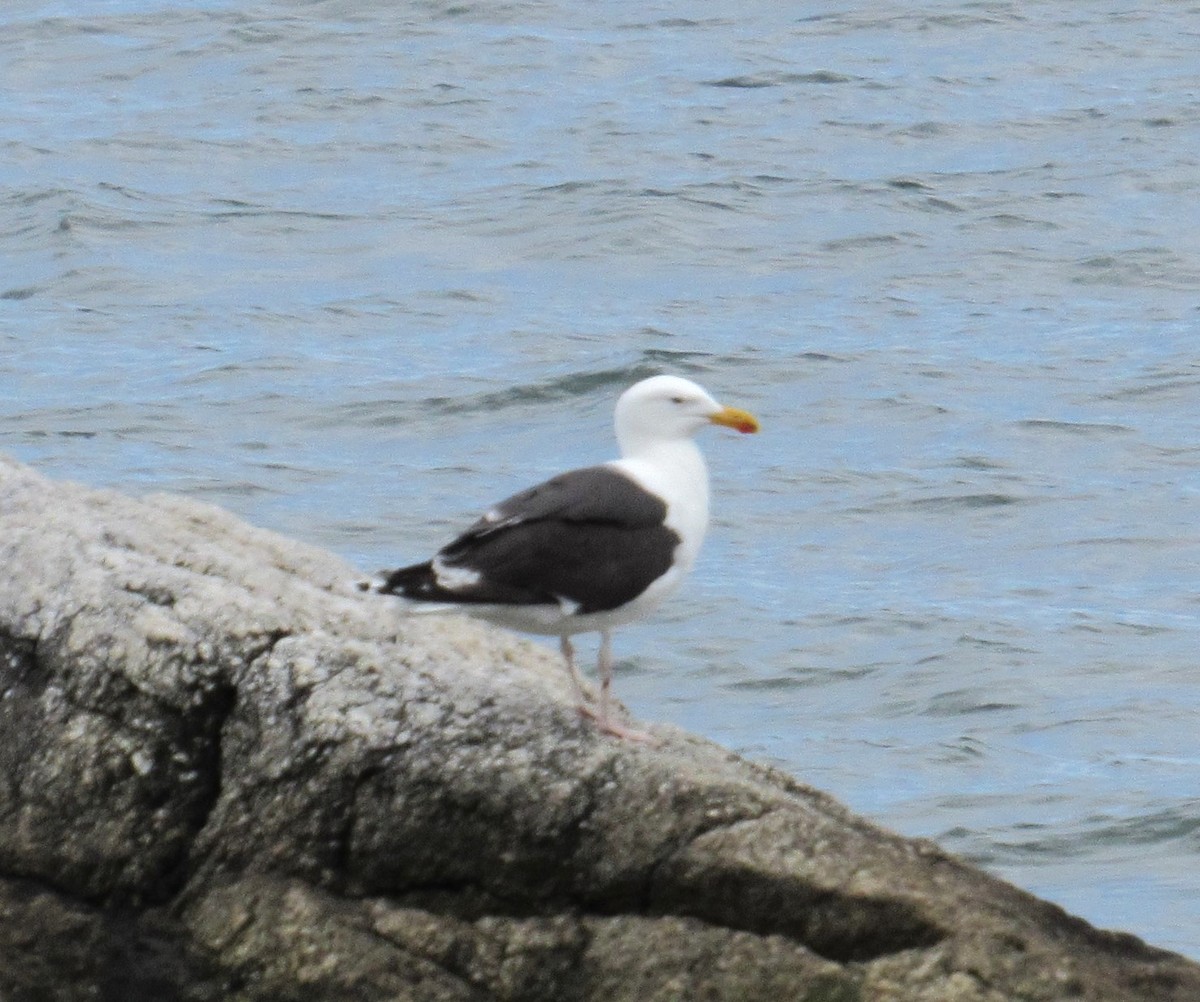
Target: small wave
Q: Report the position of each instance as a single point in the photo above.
(952, 502)
(1156, 385)
(751, 81)
(861, 242)
(774, 683)
(1074, 427)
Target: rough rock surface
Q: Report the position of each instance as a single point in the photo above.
(224, 776)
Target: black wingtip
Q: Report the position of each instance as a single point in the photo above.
(416, 581)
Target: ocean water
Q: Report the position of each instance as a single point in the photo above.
(357, 270)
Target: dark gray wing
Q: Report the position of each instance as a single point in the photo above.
(591, 537)
(593, 494)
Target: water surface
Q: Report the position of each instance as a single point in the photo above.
(355, 271)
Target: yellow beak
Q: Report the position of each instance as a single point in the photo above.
(731, 417)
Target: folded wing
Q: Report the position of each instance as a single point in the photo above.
(589, 540)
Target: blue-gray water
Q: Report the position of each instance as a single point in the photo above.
(355, 270)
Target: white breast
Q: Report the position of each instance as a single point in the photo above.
(675, 471)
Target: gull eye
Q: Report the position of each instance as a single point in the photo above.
(677, 400)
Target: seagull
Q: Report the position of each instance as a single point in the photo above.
(591, 549)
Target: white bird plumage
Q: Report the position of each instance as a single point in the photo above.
(594, 548)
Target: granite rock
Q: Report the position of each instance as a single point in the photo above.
(224, 774)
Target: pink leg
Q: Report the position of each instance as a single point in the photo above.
(604, 720)
(568, 653)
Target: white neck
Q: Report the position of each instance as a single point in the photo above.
(679, 458)
(674, 469)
